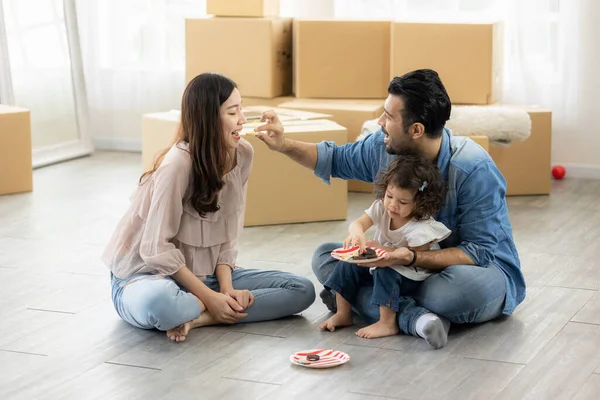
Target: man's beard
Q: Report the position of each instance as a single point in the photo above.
(406, 145)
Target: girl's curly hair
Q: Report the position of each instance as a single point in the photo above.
(412, 172)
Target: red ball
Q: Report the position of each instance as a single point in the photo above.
(558, 172)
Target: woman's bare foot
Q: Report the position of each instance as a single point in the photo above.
(378, 329)
(338, 320)
(179, 333)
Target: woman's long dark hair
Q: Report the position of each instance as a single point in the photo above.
(200, 127)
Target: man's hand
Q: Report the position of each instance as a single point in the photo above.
(399, 256)
(224, 308)
(243, 297)
(272, 132)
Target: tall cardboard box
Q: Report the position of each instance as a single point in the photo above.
(468, 57)
(16, 171)
(243, 8)
(341, 59)
(351, 114)
(367, 187)
(281, 191)
(255, 52)
(526, 165)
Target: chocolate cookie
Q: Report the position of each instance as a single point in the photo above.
(368, 254)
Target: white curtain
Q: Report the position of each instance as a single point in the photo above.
(134, 59)
(134, 63)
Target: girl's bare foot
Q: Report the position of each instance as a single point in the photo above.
(179, 333)
(379, 329)
(338, 320)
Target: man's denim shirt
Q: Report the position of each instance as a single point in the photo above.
(475, 208)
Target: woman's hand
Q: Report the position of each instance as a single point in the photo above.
(243, 297)
(224, 308)
(272, 132)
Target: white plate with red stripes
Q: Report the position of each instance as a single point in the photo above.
(348, 255)
(327, 358)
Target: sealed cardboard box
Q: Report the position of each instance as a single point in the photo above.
(158, 132)
(281, 191)
(243, 8)
(468, 57)
(351, 114)
(526, 164)
(341, 59)
(16, 171)
(261, 62)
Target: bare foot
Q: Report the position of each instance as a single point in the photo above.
(338, 320)
(179, 333)
(378, 329)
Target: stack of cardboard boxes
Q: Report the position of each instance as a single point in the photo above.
(340, 70)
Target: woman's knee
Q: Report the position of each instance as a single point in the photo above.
(305, 290)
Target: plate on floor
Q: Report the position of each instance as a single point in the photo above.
(319, 358)
(349, 255)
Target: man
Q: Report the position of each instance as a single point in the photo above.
(479, 275)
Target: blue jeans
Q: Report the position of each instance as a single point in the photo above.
(460, 293)
(162, 304)
(389, 289)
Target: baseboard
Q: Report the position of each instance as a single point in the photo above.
(582, 171)
(49, 155)
(118, 144)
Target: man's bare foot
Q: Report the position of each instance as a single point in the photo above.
(179, 333)
(378, 329)
(338, 320)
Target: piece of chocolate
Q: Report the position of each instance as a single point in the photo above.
(368, 254)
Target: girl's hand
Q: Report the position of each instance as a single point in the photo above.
(356, 239)
(224, 308)
(243, 297)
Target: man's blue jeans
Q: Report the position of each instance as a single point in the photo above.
(460, 293)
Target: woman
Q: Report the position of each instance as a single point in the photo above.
(173, 255)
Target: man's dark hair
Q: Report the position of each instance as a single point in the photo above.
(425, 100)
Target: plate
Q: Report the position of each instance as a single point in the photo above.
(338, 254)
(327, 358)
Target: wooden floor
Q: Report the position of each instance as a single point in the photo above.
(61, 339)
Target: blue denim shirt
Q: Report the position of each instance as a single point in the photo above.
(475, 207)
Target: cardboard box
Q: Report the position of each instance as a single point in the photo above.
(243, 8)
(158, 132)
(341, 59)
(16, 171)
(526, 165)
(256, 53)
(259, 101)
(285, 114)
(367, 187)
(351, 114)
(281, 191)
(468, 57)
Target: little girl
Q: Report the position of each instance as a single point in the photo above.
(409, 194)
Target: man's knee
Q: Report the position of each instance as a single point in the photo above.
(322, 262)
(464, 293)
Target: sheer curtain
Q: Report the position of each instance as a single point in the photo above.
(134, 63)
(134, 59)
(549, 60)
